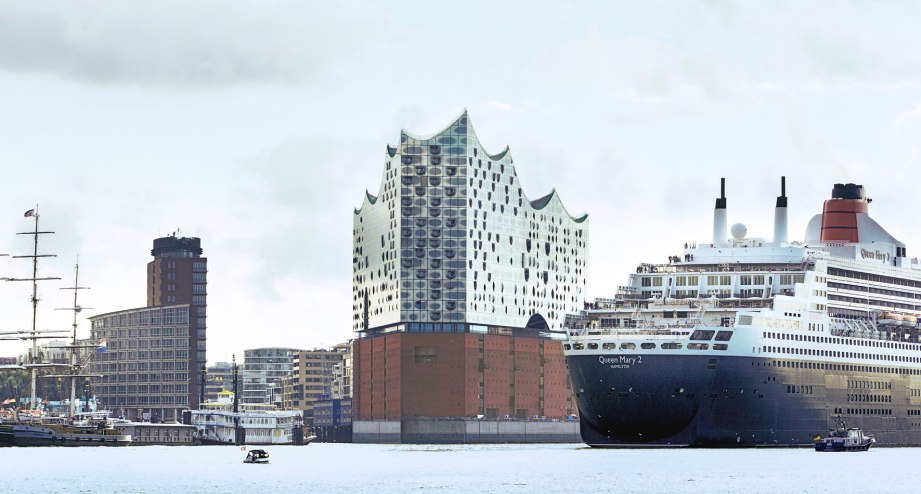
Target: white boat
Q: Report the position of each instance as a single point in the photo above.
(217, 423)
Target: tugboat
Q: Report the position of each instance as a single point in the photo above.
(844, 439)
(257, 456)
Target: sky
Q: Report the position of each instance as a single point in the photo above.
(258, 125)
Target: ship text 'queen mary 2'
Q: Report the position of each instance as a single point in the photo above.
(750, 342)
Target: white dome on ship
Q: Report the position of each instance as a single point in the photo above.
(738, 231)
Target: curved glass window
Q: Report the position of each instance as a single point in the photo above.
(436, 160)
(450, 191)
(420, 191)
(671, 346)
(451, 171)
(434, 180)
(647, 346)
(628, 346)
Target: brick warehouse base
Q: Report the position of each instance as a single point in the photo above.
(437, 376)
(464, 431)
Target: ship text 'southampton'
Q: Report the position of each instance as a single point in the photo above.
(454, 267)
(752, 342)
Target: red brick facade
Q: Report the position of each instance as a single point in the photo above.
(408, 375)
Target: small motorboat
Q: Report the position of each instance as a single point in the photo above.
(257, 456)
(842, 439)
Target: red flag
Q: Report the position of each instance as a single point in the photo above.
(30, 212)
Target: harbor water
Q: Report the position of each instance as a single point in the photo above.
(379, 469)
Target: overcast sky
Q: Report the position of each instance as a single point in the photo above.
(258, 125)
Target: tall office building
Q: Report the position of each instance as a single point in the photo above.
(154, 356)
(459, 281)
(178, 274)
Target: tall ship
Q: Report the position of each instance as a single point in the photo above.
(35, 427)
(742, 341)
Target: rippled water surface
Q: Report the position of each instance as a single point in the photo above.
(360, 468)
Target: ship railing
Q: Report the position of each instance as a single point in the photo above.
(856, 328)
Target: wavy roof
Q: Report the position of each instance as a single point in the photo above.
(464, 120)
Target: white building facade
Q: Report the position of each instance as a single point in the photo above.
(451, 243)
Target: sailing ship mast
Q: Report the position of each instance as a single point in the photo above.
(74, 366)
(35, 358)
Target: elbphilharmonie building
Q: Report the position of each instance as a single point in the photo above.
(455, 267)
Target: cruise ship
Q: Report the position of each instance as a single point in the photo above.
(752, 342)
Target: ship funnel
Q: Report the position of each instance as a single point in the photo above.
(719, 215)
(780, 214)
(839, 215)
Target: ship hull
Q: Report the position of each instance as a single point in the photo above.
(28, 435)
(719, 401)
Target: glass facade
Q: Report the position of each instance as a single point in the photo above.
(452, 240)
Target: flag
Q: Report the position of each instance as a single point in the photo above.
(102, 346)
(30, 212)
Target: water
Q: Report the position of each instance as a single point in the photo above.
(379, 469)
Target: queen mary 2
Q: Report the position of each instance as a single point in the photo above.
(752, 342)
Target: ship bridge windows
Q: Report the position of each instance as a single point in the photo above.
(724, 335)
(702, 335)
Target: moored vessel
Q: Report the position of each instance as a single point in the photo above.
(842, 439)
(753, 342)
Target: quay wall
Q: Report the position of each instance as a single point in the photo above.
(464, 431)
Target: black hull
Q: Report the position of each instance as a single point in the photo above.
(668, 400)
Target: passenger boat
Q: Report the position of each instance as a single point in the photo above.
(752, 342)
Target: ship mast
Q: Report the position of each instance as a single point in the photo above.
(74, 366)
(35, 358)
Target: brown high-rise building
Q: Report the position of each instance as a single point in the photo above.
(178, 274)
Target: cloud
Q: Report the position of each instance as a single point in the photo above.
(500, 105)
(184, 44)
(909, 115)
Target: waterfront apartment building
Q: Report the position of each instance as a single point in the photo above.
(219, 378)
(460, 283)
(342, 372)
(154, 357)
(313, 378)
(263, 372)
(145, 368)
